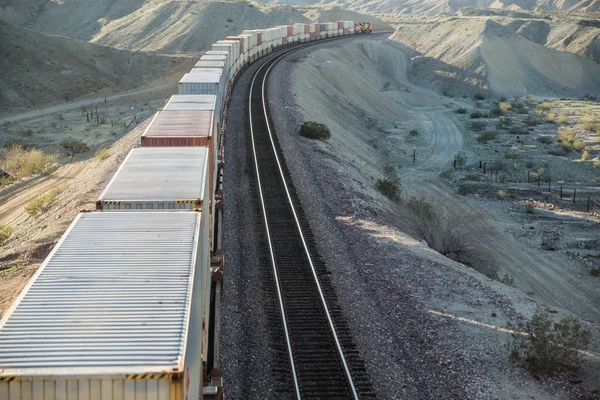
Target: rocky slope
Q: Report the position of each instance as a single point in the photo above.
(38, 68)
(463, 56)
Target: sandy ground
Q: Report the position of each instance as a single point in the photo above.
(344, 88)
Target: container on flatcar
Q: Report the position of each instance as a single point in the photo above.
(114, 312)
(160, 179)
(204, 81)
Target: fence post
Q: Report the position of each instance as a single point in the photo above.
(561, 191)
(539, 179)
(484, 165)
(479, 163)
(588, 204)
(87, 115)
(574, 194)
(527, 176)
(549, 182)
(414, 155)
(455, 163)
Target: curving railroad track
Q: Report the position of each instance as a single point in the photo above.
(323, 360)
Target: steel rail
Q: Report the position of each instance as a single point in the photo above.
(271, 63)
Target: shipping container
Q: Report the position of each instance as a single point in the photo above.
(161, 179)
(114, 312)
(204, 83)
(179, 128)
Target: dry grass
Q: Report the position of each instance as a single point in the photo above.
(102, 154)
(42, 203)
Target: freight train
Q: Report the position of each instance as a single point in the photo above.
(126, 304)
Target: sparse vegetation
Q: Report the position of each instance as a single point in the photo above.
(549, 347)
(42, 203)
(562, 119)
(21, 163)
(315, 130)
(464, 190)
(487, 136)
(568, 140)
(74, 146)
(476, 114)
(585, 155)
(389, 188)
(505, 106)
(461, 111)
(477, 126)
(479, 96)
(545, 139)
(512, 156)
(591, 124)
(507, 280)
(528, 208)
(495, 112)
(414, 132)
(5, 234)
(102, 154)
(543, 107)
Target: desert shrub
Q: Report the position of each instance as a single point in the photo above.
(464, 190)
(528, 208)
(472, 177)
(476, 114)
(389, 188)
(460, 158)
(597, 162)
(568, 140)
(479, 96)
(504, 123)
(102, 154)
(595, 271)
(478, 104)
(590, 124)
(315, 130)
(414, 132)
(498, 165)
(20, 163)
(515, 130)
(5, 234)
(507, 280)
(42, 203)
(543, 107)
(550, 117)
(487, 136)
(545, 139)
(74, 145)
(549, 347)
(585, 155)
(531, 121)
(512, 156)
(495, 112)
(562, 119)
(6, 180)
(502, 99)
(461, 111)
(477, 126)
(505, 106)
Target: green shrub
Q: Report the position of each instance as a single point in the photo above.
(42, 203)
(502, 99)
(5, 234)
(512, 156)
(507, 280)
(414, 132)
(461, 111)
(479, 96)
(315, 130)
(102, 154)
(531, 121)
(388, 188)
(545, 139)
(549, 347)
(464, 190)
(476, 114)
(74, 145)
(20, 163)
(477, 126)
(487, 136)
(495, 113)
(504, 123)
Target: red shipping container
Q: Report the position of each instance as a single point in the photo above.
(340, 24)
(307, 28)
(290, 30)
(258, 38)
(317, 28)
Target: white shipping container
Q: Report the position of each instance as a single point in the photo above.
(195, 102)
(203, 83)
(114, 312)
(161, 179)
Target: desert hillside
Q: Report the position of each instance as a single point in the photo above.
(463, 56)
(39, 68)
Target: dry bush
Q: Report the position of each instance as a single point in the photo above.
(568, 140)
(549, 347)
(505, 107)
(562, 119)
(585, 155)
(5, 233)
(487, 136)
(20, 163)
(42, 203)
(74, 145)
(590, 124)
(102, 154)
(543, 107)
